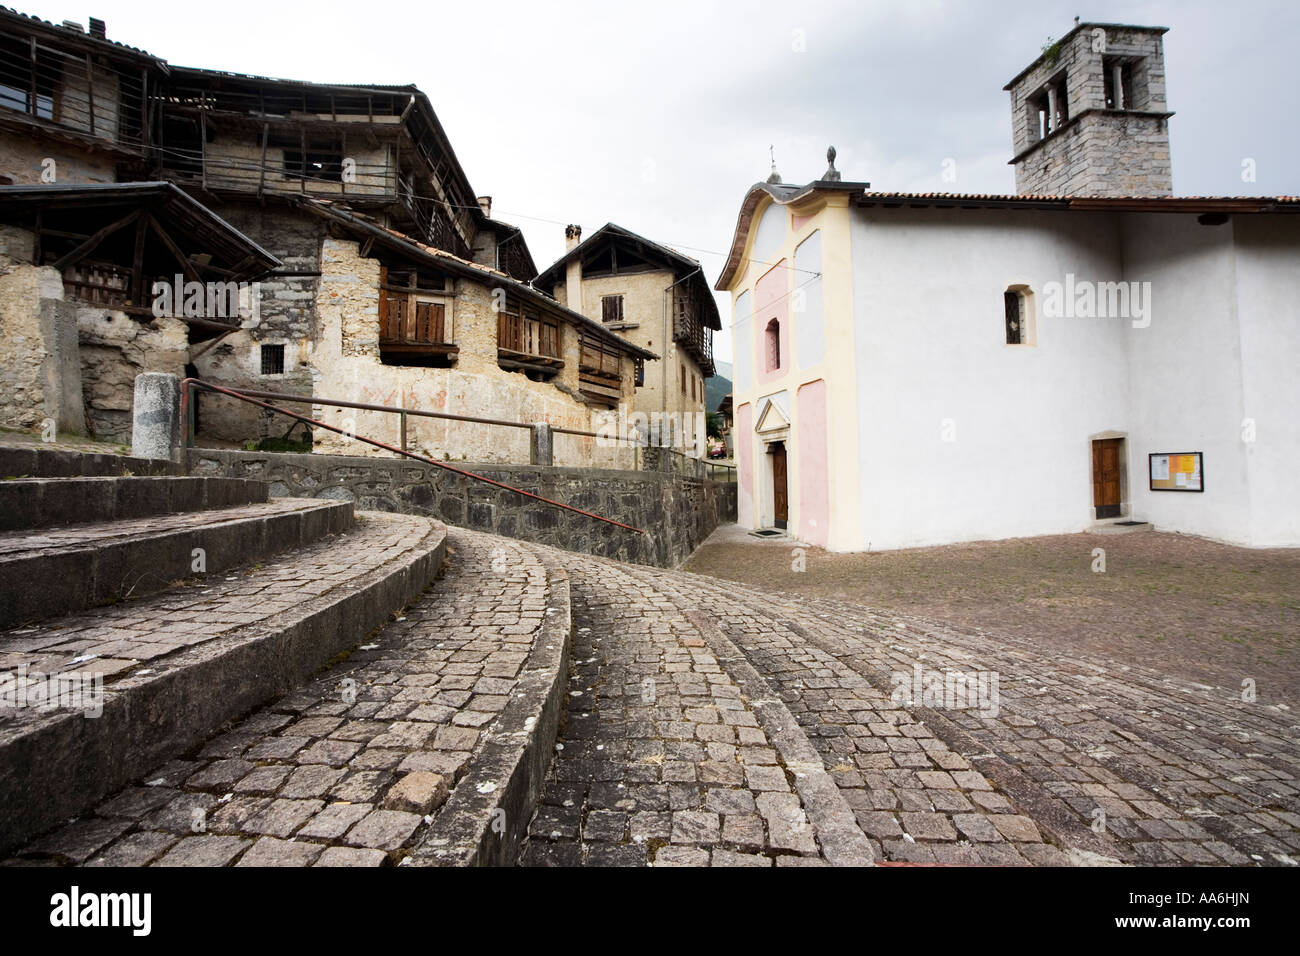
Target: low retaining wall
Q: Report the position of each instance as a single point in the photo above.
(677, 513)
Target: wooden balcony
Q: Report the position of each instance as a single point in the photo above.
(528, 343)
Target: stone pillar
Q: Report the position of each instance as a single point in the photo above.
(542, 447)
(156, 416)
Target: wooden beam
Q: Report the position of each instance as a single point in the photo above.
(187, 267)
(261, 176)
(90, 92)
(136, 294)
(89, 246)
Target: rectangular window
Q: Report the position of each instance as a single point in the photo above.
(611, 308)
(272, 359)
(1014, 318)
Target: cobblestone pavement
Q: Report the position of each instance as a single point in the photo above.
(351, 769)
(115, 641)
(1208, 612)
(1110, 759)
(713, 723)
(665, 759)
(1082, 761)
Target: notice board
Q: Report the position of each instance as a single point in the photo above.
(1176, 471)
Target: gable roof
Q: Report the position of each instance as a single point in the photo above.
(677, 261)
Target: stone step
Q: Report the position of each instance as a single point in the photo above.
(427, 745)
(42, 502)
(33, 461)
(48, 572)
(145, 681)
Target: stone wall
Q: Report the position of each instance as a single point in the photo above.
(39, 372)
(116, 347)
(677, 513)
(286, 316)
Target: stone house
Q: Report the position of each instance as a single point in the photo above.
(392, 284)
(655, 297)
(1083, 360)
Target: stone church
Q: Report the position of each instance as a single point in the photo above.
(1094, 351)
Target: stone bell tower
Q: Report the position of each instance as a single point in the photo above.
(1088, 117)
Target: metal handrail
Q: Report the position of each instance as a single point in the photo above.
(189, 384)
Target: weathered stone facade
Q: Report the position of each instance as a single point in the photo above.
(676, 513)
(39, 373)
(1092, 148)
(346, 365)
(286, 316)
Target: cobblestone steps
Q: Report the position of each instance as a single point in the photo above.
(42, 502)
(425, 746)
(172, 667)
(46, 572)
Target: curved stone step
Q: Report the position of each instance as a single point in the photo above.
(428, 743)
(48, 572)
(34, 461)
(42, 502)
(157, 676)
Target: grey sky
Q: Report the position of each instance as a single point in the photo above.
(658, 116)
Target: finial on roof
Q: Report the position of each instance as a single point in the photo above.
(832, 175)
(773, 177)
(1076, 21)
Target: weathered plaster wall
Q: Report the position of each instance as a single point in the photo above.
(22, 159)
(676, 513)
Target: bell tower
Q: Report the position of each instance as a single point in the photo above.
(1088, 117)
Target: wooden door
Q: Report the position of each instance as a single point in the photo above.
(1105, 477)
(780, 502)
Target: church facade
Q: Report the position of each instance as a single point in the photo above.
(921, 369)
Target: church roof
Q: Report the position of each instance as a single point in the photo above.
(863, 196)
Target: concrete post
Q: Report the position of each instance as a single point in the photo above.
(156, 416)
(542, 446)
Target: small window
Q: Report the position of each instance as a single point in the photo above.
(272, 359)
(1118, 77)
(611, 308)
(682, 370)
(772, 342)
(1015, 317)
(1019, 316)
(1049, 108)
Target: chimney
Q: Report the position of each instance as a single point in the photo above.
(98, 30)
(485, 203)
(573, 269)
(73, 25)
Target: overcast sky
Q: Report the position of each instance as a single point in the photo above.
(658, 116)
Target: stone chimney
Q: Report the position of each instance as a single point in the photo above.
(485, 203)
(573, 269)
(98, 29)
